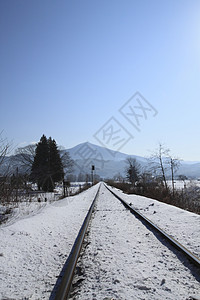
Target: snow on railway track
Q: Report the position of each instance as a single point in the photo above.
(34, 249)
(182, 225)
(125, 260)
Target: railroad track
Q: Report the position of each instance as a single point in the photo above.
(63, 286)
(169, 238)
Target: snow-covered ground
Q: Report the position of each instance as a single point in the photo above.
(124, 260)
(34, 248)
(180, 184)
(29, 204)
(184, 226)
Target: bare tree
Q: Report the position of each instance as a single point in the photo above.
(159, 163)
(24, 156)
(5, 189)
(174, 165)
(67, 162)
(118, 177)
(4, 148)
(163, 162)
(132, 169)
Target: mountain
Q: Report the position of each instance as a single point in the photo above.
(107, 162)
(86, 150)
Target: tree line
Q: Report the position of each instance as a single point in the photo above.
(153, 180)
(160, 163)
(43, 164)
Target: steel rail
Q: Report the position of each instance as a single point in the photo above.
(194, 259)
(62, 288)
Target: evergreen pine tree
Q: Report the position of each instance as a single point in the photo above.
(47, 166)
(40, 164)
(55, 163)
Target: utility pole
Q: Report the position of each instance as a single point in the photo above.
(92, 173)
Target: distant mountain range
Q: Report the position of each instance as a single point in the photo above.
(107, 162)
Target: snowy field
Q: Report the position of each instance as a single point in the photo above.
(27, 205)
(180, 184)
(31, 203)
(34, 248)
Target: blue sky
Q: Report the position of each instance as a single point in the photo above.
(67, 67)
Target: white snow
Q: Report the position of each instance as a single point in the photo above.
(184, 226)
(180, 184)
(34, 248)
(124, 260)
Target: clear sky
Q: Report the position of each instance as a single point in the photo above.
(67, 67)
